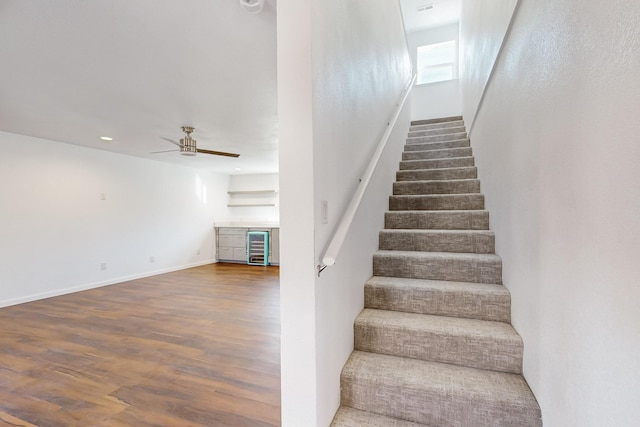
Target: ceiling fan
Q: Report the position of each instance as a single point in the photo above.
(188, 146)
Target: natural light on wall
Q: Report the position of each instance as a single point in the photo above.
(201, 190)
(437, 62)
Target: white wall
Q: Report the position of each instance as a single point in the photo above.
(341, 68)
(297, 254)
(56, 230)
(556, 142)
(441, 99)
(485, 24)
(434, 100)
(252, 182)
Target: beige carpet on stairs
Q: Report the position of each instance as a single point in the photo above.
(434, 345)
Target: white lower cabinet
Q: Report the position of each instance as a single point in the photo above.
(274, 246)
(225, 253)
(240, 254)
(231, 244)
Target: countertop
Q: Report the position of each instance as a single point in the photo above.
(251, 224)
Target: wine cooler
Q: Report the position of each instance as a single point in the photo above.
(258, 248)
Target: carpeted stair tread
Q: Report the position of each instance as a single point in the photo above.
(456, 162)
(434, 220)
(470, 172)
(429, 202)
(436, 120)
(436, 131)
(436, 138)
(456, 143)
(443, 153)
(440, 186)
(465, 342)
(432, 126)
(437, 394)
(443, 125)
(350, 417)
(459, 241)
(439, 297)
(477, 268)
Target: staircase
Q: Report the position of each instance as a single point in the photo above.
(434, 345)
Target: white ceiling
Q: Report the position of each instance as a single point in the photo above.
(75, 70)
(443, 12)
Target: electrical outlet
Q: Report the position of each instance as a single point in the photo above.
(152, 259)
(198, 253)
(103, 196)
(103, 266)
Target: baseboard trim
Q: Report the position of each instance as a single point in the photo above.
(94, 285)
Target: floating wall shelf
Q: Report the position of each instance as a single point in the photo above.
(252, 198)
(251, 191)
(235, 205)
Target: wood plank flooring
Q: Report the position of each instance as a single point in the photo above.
(197, 347)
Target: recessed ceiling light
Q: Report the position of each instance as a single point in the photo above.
(237, 169)
(106, 138)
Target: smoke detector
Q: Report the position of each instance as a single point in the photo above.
(252, 6)
(424, 8)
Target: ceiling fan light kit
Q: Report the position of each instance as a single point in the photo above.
(188, 144)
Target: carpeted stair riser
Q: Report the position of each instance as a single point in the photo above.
(457, 241)
(459, 162)
(451, 220)
(437, 394)
(464, 342)
(439, 131)
(454, 186)
(441, 298)
(444, 125)
(437, 174)
(350, 417)
(446, 153)
(436, 138)
(476, 268)
(437, 202)
(456, 143)
(437, 120)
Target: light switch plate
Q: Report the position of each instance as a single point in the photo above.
(324, 211)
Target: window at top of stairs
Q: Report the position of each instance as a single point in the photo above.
(437, 62)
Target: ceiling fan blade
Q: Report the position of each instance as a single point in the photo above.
(164, 151)
(173, 142)
(218, 153)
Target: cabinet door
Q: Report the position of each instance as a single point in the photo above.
(225, 240)
(239, 241)
(233, 230)
(240, 254)
(275, 246)
(225, 253)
